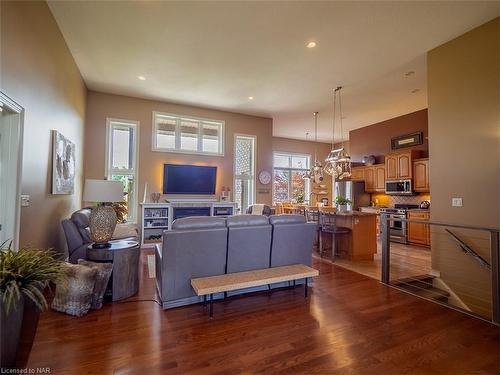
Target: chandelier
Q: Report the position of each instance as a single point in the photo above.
(338, 161)
(316, 171)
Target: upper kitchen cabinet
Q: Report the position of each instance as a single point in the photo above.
(358, 173)
(421, 175)
(372, 175)
(379, 176)
(369, 179)
(399, 165)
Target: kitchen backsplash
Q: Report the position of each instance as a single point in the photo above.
(383, 200)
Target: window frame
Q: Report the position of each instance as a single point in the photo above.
(109, 170)
(178, 118)
(254, 167)
(290, 169)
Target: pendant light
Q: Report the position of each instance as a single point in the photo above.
(307, 174)
(338, 161)
(316, 171)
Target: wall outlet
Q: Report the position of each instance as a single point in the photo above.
(25, 200)
(456, 202)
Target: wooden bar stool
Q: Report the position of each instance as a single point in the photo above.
(328, 224)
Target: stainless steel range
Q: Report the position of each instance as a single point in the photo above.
(398, 230)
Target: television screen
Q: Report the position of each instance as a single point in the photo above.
(189, 179)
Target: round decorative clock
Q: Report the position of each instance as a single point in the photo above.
(264, 177)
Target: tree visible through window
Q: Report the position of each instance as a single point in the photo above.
(289, 184)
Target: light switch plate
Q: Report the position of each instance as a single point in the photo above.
(25, 200)
(456, 202)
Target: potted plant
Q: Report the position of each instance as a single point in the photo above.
(24, 275)
(341, 203)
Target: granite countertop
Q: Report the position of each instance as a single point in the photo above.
(355, 213)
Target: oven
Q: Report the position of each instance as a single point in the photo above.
(397, 229)
(398, 187)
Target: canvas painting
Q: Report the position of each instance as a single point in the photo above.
(63, 165)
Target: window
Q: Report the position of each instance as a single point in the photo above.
(244, 171)
(121, 161)
(288, 182)
(174, 133)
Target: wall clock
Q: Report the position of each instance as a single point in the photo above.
(264, 177)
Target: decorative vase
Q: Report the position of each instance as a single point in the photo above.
(18, 332)
(102, 223)
(342, 207)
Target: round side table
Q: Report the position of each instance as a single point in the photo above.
(124, 280)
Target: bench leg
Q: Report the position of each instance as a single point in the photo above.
(211, 305)
(204, 300)
(305, 287)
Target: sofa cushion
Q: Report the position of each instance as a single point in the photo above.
(199, 222)
(101, 281)
(125, 230)
(287, 219)
(246, 220)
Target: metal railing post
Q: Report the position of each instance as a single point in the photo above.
(386, 248)
(495, 278)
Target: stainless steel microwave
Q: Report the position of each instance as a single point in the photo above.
(398, 187)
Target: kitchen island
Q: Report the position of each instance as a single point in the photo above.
(360, 243)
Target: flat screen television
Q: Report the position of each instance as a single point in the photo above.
(189, 179)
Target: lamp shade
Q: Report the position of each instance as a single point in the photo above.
(103, 191)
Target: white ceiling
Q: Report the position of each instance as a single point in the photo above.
(216, 54)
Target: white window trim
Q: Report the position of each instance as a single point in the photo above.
(177, 135)
(135, 168)
(291, 169)
(254, 165)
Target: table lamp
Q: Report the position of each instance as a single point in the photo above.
(103, 217)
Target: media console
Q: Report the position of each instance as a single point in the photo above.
(157, 217)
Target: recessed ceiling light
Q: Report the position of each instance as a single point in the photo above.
(311, 44)
(414, 91)
(409, 73)
(250, 98)
(142, 78)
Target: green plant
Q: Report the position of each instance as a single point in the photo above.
(27, 272)
(341, 201)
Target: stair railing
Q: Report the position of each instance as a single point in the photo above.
(494, 243)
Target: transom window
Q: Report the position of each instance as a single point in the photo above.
(176, 133)
(289, 184)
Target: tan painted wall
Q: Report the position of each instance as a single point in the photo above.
(376, 139)
(100, 106)
(39, 73)
(464, 143)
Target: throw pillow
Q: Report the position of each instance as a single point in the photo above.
(101, 281)
(74, 297)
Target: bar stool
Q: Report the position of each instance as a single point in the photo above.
(312, 215)
(328, 224)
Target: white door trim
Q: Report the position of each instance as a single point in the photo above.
(10, 104)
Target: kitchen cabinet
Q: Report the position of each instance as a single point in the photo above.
(421, 175)
(379, 176)
(399, 165)
(369, 179)
(373, 210)
(391, 167)
(358, 173)
(372, 175)
(419, 233)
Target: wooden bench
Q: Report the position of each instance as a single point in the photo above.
(204, 286)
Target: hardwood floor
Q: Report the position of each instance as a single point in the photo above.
(351, 324)
(406, 261)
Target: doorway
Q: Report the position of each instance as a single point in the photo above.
(11, 136)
